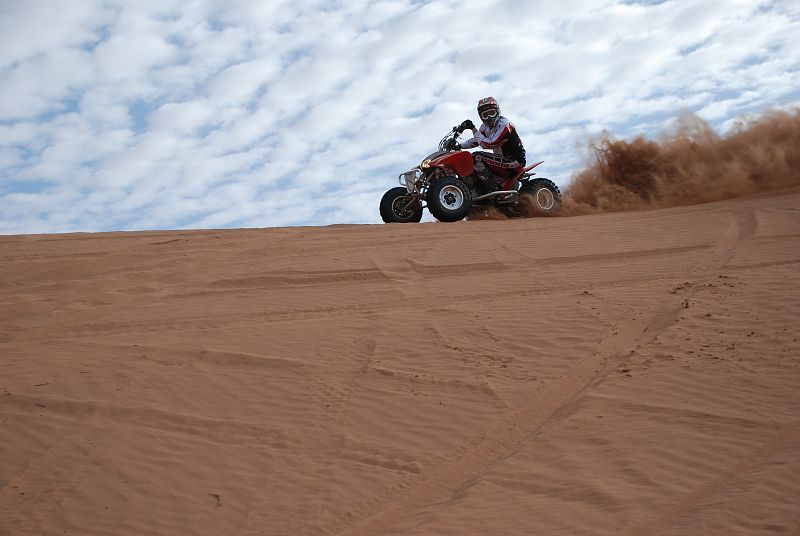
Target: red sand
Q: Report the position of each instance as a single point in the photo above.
(625, 373)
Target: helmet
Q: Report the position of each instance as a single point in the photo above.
(488, 111)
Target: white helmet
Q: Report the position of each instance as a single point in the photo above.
(488, 111)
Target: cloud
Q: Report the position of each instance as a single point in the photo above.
(180, 114)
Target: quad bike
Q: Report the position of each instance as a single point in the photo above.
(446, 183)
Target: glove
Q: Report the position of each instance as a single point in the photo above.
(467, 124)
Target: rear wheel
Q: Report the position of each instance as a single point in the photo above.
(541, 197)
(397, 206)
(449, 199)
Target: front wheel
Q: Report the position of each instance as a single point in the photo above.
(541, 197)
(449, 199)
(397, 206)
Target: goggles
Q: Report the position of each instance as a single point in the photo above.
(491, 113)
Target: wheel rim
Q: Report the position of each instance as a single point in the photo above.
(399, 211)
(545, 199)
(451, 197)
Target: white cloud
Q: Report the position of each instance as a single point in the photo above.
(30, 28)
(177, 113)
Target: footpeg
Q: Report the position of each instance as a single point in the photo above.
(502, 196)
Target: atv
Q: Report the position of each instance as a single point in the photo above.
(445, 182)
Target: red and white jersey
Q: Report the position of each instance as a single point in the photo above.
(490, 137)
(502, 139)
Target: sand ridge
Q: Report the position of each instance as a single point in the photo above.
(626, 373)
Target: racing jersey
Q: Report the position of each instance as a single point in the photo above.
(502, 139)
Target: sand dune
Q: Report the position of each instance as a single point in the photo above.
(623, 373)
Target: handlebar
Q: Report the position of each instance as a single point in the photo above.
(453, 134)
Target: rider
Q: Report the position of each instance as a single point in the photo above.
(498, 134)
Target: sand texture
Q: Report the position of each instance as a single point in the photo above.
(629, 373)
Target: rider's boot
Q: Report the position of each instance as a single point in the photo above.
(486, 177)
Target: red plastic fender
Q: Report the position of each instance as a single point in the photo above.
(461, 161)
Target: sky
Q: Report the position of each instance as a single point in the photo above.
(195, 114)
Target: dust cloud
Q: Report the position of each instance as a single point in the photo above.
(691, 165)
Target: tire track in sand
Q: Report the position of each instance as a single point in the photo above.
(552, 403)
